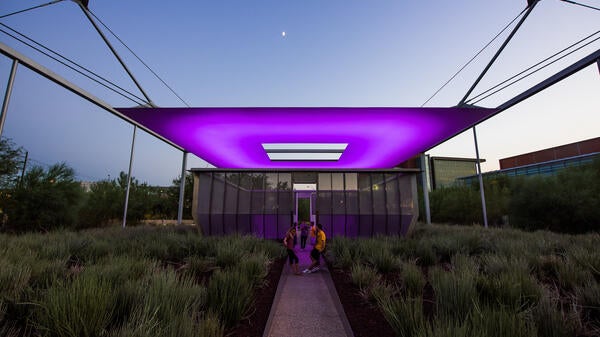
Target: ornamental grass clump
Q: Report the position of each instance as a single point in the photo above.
(229, 293)
(83, 307)
(405, 315)
(455, 290)
(382, 259)
(413, 279)
(172, 296)
(14, 278)
(588, 300)
(551, 318)
(199, 267)
(499, 321)
(363, 276)
(255, 267)
(228, 254)
(507, 282)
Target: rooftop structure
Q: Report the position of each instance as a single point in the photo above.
(307, 138)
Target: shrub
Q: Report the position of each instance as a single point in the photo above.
(83, 307)
(413, 279)
(229, 292)
(405, 315)
(455, 291)
(363, 276)
(382, 259)
(172, 296)
(551, 319)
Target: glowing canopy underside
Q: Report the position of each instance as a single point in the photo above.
(377, 138)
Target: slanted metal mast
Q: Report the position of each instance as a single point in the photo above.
(83, 4)
(531, 4)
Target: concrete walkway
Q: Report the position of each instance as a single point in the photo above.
(307, 305)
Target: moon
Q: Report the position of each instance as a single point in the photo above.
(282, 34)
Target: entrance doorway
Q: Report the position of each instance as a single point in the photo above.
(305, 196)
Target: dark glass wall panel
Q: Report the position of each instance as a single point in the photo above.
(204, 188)
(352, 225)
(338, 225)
(378, 185)
(244, 199)
(352, 202)
(379, 224)
(285, 222)
(325, 220)
(257, 225)
(365, 225)
(257, 205)
(231, 194)
(394, 224)
(338, 198)
(392, 194)
(351, 181)
(217, 204)
(364, 194)
(286, 205)
(324, 202)
(271, 226)
(337, 181)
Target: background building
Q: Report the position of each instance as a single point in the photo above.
(547, 161)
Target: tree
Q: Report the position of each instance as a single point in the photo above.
(188, 196)
(103, 204)
(45, 199)
(10, 163)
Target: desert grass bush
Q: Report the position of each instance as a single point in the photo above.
(412, 279)
(405, 315)
(506, 281)
(500, 321)
(363, 276)
(588, 300)
(140, 281)
(382, 290)
(209, 325)
(199, 267)
(551, 318)
(255, 267)
(455, 290)
(424, 254)
(382, 259)
(343, 252)
(83, 307)
(228, 253)
(229, 293)
(172, 295)
(14, 278)
(119, 269)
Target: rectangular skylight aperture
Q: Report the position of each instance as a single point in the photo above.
(304, 151)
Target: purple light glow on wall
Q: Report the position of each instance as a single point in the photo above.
(377, 137)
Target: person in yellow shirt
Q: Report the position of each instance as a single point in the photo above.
(315, 253)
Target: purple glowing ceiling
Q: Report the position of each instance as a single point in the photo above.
(375, 137)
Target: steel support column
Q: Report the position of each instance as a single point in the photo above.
(7, 94)
(182, 189)
(129, 177)
(424, 174)
(483, 207)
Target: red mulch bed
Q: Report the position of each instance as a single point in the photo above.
(254, 326)
(365, 319)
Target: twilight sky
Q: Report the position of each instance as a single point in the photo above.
(334, 53)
